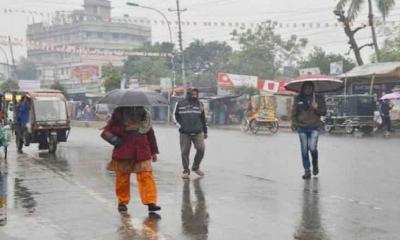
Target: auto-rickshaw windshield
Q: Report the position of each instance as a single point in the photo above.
(49, 109)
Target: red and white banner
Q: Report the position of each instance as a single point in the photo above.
(233, 80)
(276, 87)
(268, 86)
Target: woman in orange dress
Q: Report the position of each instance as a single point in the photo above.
(135, 148)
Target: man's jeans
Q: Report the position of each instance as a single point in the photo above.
(186, 143)
(386, 122)
(309, 142)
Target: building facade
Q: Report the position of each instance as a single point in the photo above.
(73, 48)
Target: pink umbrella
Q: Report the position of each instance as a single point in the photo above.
(389, 96)
(322, 83)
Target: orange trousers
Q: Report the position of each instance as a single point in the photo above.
(146, 187)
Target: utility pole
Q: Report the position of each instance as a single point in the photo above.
(178, 11)
(13, 74)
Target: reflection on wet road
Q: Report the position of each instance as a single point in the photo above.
(194, 220)
(252, 190)
(310, 227)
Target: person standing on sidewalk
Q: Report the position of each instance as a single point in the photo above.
(306, 119)
(385, 108)
(135, 148)
(190, 117)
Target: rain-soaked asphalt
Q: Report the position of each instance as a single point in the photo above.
(252, 190)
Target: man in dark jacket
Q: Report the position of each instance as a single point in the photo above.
(190, 117)
(385, 108)
(306, 119)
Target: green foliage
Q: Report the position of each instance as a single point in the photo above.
(147, 70)
(390, 51)
(205, 60)
(355, 6)
(9, 85)
(57, 85)
(319, 58)
(243, 90)
(26, 70)
(112, 77)
(263, 52)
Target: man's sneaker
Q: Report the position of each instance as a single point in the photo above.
(152, 207)
(185, 175)
(122, 208)
(307, 175)
(315, 171)
(199, 172)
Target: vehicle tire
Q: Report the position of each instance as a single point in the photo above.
(274, 127)
(367, 130)
(245, 125)
(349, 128)
(328, 128)
(254, 127)
(52, 144)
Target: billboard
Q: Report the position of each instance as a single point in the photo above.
(29, 84)
(85, 73)
(309, 71)
(336, 68)
(232, 80)
(268, 86)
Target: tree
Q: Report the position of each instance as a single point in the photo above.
(391, 49)
(355, 6)
(319, 58)
(147, 69)
(112, 77)
(244, 90)
(9, 85)
(263, 52)
(26, 70)
(57, 85)
(204, 61)
(350, 33)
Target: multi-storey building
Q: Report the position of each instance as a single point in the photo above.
(75, 45)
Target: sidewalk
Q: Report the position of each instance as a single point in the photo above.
(100, 124)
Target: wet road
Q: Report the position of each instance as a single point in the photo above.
(252, 190)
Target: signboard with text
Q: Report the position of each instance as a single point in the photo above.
(233, 80)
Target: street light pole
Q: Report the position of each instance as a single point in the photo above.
(8, 65)
(178, 11)
(169, 31)
(172, 57)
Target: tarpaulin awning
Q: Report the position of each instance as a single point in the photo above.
(385, 69)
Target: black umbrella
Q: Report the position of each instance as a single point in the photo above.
(129, 97)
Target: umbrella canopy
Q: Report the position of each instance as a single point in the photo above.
(129, 97)
(322, 83)
(395, 95)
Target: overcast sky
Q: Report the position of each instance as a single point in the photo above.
(250, 11)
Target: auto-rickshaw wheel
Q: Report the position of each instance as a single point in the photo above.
(254, 127)
(273, 127)
(367, 129)
(349, 128)
(328, 128)
(52, 144)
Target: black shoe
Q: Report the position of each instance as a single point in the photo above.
(307, 175)
(315, 171)
(20, 151)
(122, 208)
(152, 207)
